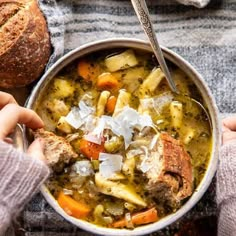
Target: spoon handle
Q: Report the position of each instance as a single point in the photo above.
(141, 10)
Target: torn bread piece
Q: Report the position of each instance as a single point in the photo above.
(57, 149)
(171, 173)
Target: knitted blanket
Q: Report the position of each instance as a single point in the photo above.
(205, 37)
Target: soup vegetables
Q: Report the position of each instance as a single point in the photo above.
(136, 141)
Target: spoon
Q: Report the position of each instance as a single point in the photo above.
(141, 10)
(142, 13)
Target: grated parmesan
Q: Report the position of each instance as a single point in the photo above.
(110, 164)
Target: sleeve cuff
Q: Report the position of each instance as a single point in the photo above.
(226, 218)
(226, 174)
(4, 219)
(21, 177)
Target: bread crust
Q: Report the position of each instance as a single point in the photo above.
(171, 172)
(57, 149)
(26, 44)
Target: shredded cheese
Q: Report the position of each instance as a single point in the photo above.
(110, 164)
(77, 116)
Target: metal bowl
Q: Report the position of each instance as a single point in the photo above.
(208, 100)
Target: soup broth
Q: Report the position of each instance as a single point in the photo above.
(142, 150)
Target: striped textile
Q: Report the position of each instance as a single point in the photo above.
(205, 37)
(196, 3)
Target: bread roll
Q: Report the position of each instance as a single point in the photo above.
(24, 42)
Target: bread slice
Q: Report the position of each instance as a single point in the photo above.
(171, 174)
(24, 42)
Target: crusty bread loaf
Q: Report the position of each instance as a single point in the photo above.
(24, 42)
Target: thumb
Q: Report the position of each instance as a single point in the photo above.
(228, 136)
(36, 150)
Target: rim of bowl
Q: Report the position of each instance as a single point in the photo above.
(207, 97)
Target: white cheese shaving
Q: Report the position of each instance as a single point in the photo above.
(144, 121)
(73, 118)
(146, 105)
(133, 153)
(123, 124)
(133, 119)
(96, 135)
(93, 138)
(155, 104)
(159, 122)
(154, 140)
(88, 99)
(145, 164)
(128, 220)
(162, 100)
(110, 123)
(110, 164)
(67, 191)
(90, 124)
(83, 168)
(77, 116)
(98, 131)
(127, 120)
(85, 110)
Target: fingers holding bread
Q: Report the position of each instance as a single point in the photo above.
(12, 114)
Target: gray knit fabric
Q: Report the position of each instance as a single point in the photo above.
(22, 177)
(205, 37)
(226, 190)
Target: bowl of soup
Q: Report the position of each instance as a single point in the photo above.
(128, 156)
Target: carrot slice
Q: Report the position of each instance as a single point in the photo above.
(87, 70)
(107, 81)
(145, 217)
(139, 218)
(71, 207)
(111, 103)
(91, 150)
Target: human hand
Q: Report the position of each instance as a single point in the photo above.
(229, 129)
(11, 114)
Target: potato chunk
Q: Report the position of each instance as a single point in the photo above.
(151, 82)
(57, 108)
(118, 190)
(176, 111)
(64, 126)
(121, 61)
(63, 88)
(128, 168)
